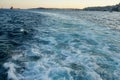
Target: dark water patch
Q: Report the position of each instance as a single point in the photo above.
(76, 40)
(81, 38)
(3, 74)
(62, 36)
(104, 57)
(90, 41)
(34, 58)
(44, 42)
(62, 46)
(79, 75)
(77, 67)
(15, 43)
(114, 48)
(47, 52)
(70, 25)
(27, 59)
(106, 71)
(15, 22)
(77, 35)
(4, 56)
(1, 33)
(61, 57)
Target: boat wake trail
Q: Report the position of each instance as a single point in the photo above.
(55, 45)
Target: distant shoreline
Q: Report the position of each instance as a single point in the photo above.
(41, 8)
(96, 8)
(104, 8)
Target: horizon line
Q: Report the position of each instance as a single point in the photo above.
(55, 7)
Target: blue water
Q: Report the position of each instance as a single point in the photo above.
(59, 45)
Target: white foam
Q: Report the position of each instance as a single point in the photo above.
(11, 70)
(22, 30)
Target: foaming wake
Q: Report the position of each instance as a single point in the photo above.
(11, 70)
(61, 46)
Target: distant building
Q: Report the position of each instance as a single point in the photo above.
(11, 7)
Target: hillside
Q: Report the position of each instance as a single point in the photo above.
(105, 8)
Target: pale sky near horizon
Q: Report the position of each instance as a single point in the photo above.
(56, 3)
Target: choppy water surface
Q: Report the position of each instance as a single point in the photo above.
(59, 45)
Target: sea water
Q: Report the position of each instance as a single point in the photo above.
(59, 45)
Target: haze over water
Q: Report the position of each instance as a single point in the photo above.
(56, 3)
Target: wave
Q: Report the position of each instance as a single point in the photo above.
(60, 46)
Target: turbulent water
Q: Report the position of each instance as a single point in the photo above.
(59, 45)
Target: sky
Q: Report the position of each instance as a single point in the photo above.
(55, 3)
